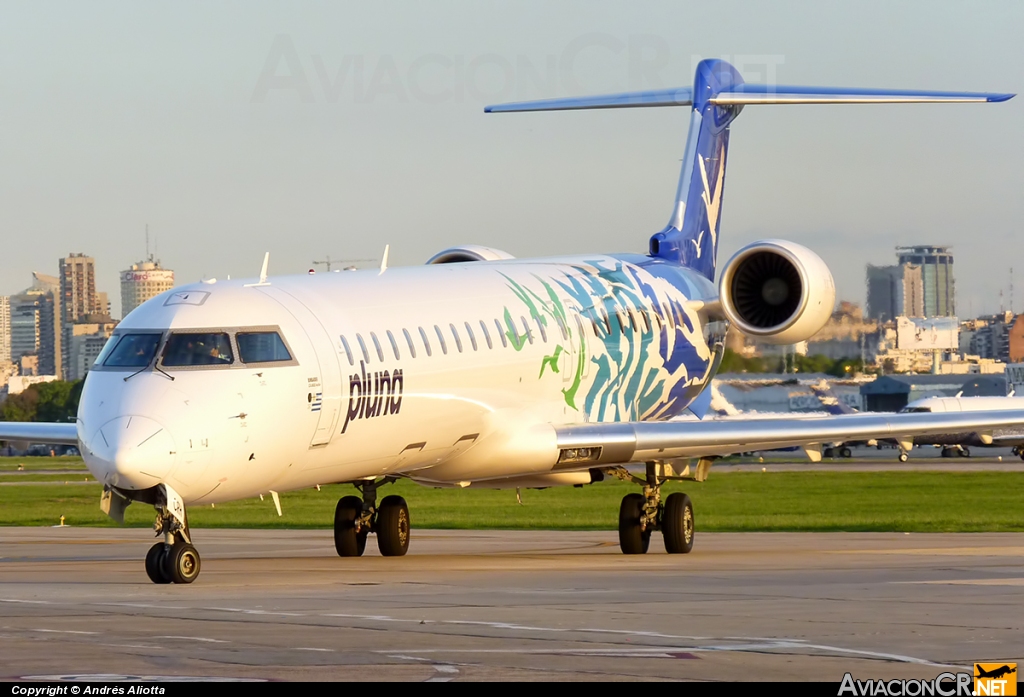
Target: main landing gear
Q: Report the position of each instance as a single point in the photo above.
(174, 560)
(642, 514)
(355, 518)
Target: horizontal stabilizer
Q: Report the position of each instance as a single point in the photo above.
(783, 94)
(747, 93)
(679, 96)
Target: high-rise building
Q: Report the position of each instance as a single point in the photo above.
(49, 339)
(87, 341)
(143, 281)
(895, 291)
(937, 275)
(5, 329)
(32, 329)
(78, 299)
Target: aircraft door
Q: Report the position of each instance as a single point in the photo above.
(324, 387)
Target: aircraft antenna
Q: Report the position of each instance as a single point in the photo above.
(384, 259)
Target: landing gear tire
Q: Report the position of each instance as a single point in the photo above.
(393, 527)
(964, 452)
(155, 563)
(845, 452)
(633, 537)
(181, 563)
(903, 457)
(348, 540)
(677, 524)
(828, 452)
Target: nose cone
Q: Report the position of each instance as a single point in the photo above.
(130, 452)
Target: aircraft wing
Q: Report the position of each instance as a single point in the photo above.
(31, 432)
(618, 443)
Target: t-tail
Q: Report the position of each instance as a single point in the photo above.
(718, 95)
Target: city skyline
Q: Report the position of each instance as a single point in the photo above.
(255, 135)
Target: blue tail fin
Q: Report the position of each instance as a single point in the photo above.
(691, 237)
(717, 96)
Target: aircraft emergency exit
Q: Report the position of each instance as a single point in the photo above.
(474, 370)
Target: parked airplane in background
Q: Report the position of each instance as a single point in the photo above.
(960, 443)
(476, 369)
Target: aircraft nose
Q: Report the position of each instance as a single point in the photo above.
(131, 452)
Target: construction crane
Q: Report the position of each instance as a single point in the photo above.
(328, 262)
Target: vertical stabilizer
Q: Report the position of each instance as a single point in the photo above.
(691, 237)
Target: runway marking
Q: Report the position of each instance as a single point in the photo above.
(674, 651)
(312, 648)
(29, 602)
(194, 638)
(761, 643)
(61, 631)
(940, 551)
(971, 582)
(450, 670)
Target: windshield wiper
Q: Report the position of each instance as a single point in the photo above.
(155, 367)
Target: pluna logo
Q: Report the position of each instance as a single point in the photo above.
(995, 679)
(373, 394)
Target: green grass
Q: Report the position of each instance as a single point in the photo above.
(739, 501)
(11, 464)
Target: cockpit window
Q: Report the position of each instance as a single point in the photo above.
(131, 351)
(197, 349)
(261, 347)
(916, 410)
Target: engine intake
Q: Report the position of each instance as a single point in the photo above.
(778, 291)
(469, 252)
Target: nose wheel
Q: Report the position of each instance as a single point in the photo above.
(175, 560)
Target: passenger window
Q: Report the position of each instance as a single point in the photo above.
(261, 347)
(543, 332)
(561, 327)
(526, 328)
(408, 340)
(579, 327)
(426, 342)
(440, 337)
(131, 351)
(472, 338)
(632, 320)
(197, 349)
(646, 319)
(487, 334)
(455, 333)
(348, 350)
(394, 345)
(607, 322)
(362, 347)
(618, 319)
(501, 333)
(376, 345)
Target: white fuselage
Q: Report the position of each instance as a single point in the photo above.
(448, 373)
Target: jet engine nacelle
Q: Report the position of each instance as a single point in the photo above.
(469, 252)
(778, 291)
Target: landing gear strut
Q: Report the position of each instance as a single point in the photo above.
(642, 514)
(175, 560)
(355, 518)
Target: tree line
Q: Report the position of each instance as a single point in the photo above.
(733, 362)
(46, 401)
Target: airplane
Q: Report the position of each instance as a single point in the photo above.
(473, 370)
(960, 443)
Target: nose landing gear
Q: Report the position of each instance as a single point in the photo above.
(175, 560)
(354, 519)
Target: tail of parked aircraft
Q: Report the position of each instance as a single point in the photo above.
(717, 97)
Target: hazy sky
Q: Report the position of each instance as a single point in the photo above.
(313, 129)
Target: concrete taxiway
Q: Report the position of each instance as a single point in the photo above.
(500, 605)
